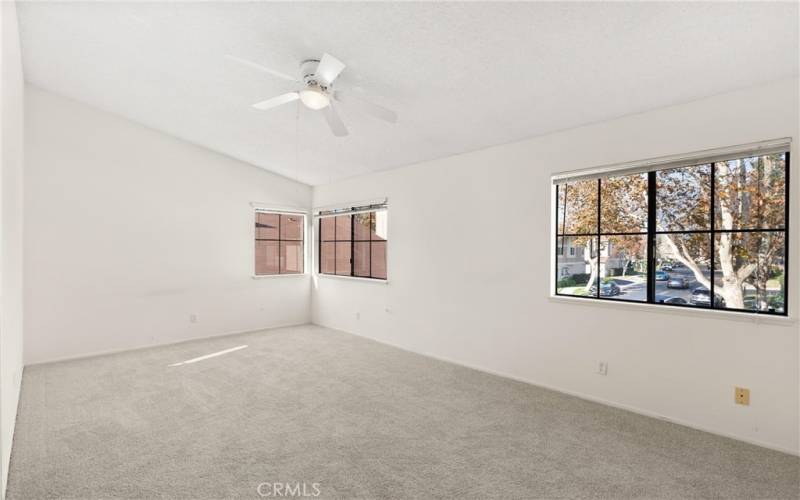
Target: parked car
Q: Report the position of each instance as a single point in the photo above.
(701, 296)
(666, 299)
(666, 267)
(661, 276)
(678, 282)
(608, 289)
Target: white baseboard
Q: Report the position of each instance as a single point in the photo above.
(587, 397)
(94, 354)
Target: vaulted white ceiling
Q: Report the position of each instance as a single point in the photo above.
(461, 76)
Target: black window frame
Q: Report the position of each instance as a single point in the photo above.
(352, 241)
(653, 232)
(280, 239)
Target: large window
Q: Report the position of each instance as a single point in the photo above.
(279, 243)
(354, 244)
(708, 235)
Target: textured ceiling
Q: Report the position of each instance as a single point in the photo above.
(461, 76)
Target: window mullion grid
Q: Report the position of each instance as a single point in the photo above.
(335, 246)
(369, 224)
(556, 275)
(719, 231)
(641, 233)
(712, 258)
(651, 237)
(352, 245)
(786, 254)
(564, 217)
(599, 200)
(280, 220)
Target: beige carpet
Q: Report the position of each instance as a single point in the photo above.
(349, 418)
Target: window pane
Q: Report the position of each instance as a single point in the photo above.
(361, 226)
(771, 275)
(379, 260)
(327, 228)
(683, 198)
(327, 262)
(683, 269)
(343, 228)
(623, 267)
(379, 225)
(361, 259)
(623, 204)
(577, 270)
(266, 226)
(578, 210)
(749, 270)
(266, 257)
(291, 257)
(291, 227)
(343, 257)
(772, 192)
(750, 193)
(560, 206)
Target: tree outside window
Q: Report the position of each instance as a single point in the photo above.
(718, 228)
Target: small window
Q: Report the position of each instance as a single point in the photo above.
(279, 243)
(354, 244)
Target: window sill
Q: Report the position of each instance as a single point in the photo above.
(353, 278)
(680, 311)
(268, 276)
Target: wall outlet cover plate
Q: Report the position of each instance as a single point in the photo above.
(742, 396)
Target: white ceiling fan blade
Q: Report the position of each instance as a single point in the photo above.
(367, 107)
(277, 101)
(328, 69)
(259, 67)
(334, 121)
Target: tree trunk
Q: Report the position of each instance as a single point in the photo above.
(732, 281)
(685, 257)
(627, 263)
(587, 255)
(732, 289)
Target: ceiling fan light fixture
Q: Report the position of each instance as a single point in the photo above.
(314, 98)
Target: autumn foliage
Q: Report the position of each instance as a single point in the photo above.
(747, 234)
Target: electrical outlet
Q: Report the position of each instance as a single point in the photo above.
(602, 368)
(742, 396)
(192, 318)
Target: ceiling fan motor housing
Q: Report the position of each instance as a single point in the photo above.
(308, 69)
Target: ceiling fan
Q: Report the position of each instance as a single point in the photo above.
(317, 79)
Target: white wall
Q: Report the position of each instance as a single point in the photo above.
(11, 162)
(128, 232)
(470, 263)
